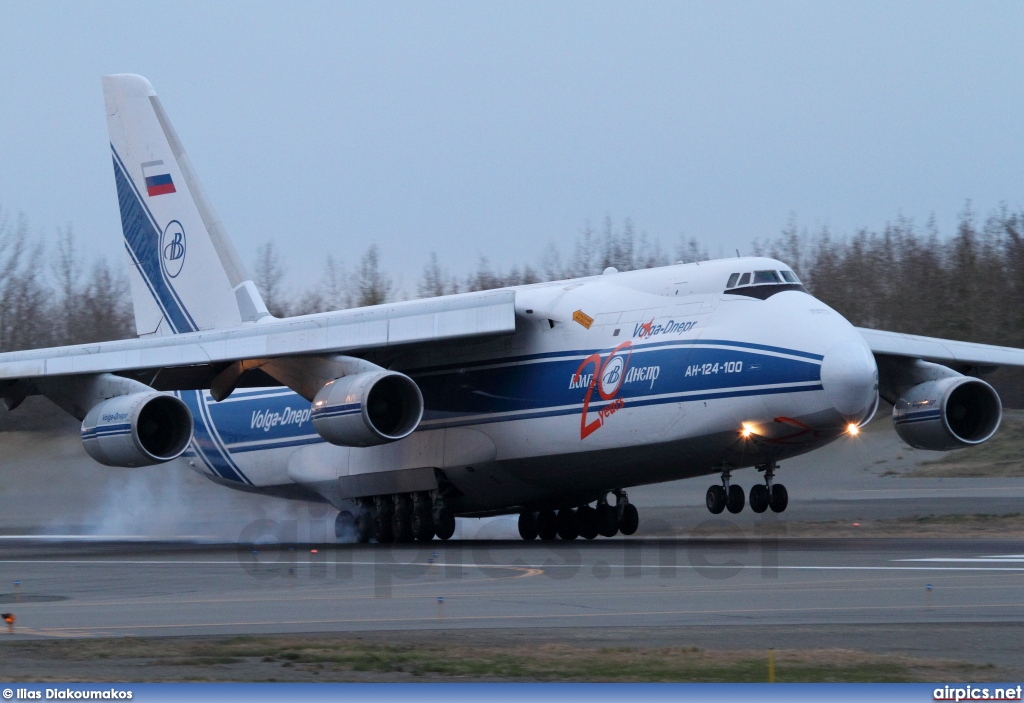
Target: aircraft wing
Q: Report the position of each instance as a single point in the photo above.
(361, 329)
(941, 351)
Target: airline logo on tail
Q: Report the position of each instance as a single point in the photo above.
(158, 179)
(172, 248)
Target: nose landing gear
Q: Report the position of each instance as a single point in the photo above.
(770, 495)
(759, 498)
(728, 496)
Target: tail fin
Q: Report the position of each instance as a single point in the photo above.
(185, 274)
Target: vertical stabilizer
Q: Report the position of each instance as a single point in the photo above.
(185, 273)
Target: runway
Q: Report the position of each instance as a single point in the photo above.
(161, 552)
(159, 589)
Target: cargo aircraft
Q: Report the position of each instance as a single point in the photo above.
(548, 400)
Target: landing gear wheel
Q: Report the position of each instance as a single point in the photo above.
(779, 499)
(715, 499)
(445, 525)
(422, 523)
(568, 525)
(344, 526)
(382, 524)
(759, 498)
(528, 526)
(364, 525)
(735, 500)
(401, 521)
(607, 520)
(547, 525)
(629, 520)
(589, 525)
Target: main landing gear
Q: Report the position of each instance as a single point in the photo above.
(729, 496)
(584, 521)
(404, 517)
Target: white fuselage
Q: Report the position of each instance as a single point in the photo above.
(608, 382)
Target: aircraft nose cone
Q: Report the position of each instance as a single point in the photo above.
(850, 379)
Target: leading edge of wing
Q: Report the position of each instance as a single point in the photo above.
(944, 351)
(409, 322)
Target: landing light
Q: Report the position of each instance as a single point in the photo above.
(852, 430)
(746, 431)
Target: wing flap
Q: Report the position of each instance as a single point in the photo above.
(410, 322)
(942, 351)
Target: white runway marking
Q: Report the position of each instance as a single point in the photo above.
(541, 567)
(1003, 559)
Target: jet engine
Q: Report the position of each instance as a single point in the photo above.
(138, 429)
(948, 413)
(364, 409)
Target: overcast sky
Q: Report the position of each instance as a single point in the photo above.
(496, 128)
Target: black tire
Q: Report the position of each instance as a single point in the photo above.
(629, 520)
(759, 498)
(528, 526)
(589, 527)
(547, 525)
(382, 527)
(364, 525)
(735, 501)
(401, 521)
(345, 526)
(445, 525)
(423, 524)
(780, 498)
(568, 524)
(607, 521)
(715, 499)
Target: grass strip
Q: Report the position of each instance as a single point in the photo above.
(337, 658)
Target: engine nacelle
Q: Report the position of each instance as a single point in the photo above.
(138, 429)
(364, 409)
(948, 413)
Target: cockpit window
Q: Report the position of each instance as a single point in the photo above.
(732, 280)
(766, 277)
(789, 277)
(744, 279)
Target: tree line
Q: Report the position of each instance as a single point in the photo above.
(967, 285)
(52, 294)
(367, 283)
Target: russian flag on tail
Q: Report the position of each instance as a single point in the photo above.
(158, 180)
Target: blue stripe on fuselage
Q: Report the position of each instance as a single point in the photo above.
(525, 387)
(268, 418)
(638, 345)
(682, 367)
(206, 443)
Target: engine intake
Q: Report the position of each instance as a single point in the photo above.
(364, 409)
(948, 413)
(138, 429)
